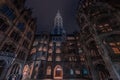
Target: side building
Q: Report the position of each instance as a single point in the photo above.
(99, 22)
(17, 29)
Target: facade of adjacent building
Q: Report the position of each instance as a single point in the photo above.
(99, 22)
(57, 56)
(17, 29)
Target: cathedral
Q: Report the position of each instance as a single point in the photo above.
(57, 55)
(92, 53)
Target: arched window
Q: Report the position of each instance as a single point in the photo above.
(26, 72)
(40, 49)
(84, 71)
(48, 70)
(58, 50)
(2, 66)
(3, 25)
(58, 58)
(58, 72)
(8, 47)
(77, 71)
(50, 58)
(45, 49)
(50, 51)
(71, 71)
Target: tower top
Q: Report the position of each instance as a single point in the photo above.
(58, 20)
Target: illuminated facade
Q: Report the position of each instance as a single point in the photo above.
(17, 29)
(57, 55)
(99, 22)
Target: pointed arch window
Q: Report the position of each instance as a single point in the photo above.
(71, 72)
(50, 51)
(58, 50)
(58, 58)
(50, 58)
(48, 70)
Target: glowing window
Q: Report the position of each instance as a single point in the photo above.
(50, 58)
(51, 44)
(33, 51)
(45, 49)
(77, 71)
(116, 50)
(58, 50)
(71, 71)
(58, 44)
(50, 51)
(40, 49)
(58, 58)
(48, 70)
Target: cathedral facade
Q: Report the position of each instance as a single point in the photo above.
(58, 55)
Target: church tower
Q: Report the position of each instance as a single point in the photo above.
(58, 29)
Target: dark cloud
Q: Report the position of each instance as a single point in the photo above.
(45, 11)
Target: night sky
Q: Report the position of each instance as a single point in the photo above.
(45, 11)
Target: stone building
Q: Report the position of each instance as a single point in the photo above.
(17, 29)
(99, 23)
(58, 55)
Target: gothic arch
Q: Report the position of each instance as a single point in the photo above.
(58, 72)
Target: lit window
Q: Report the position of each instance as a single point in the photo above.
(45, 42)
(70, 38)
(58, 50)
(33, 51)
(50, 51)
(58, 58)
(71, 71)
(48, 70)
(112, 44)
(77, 71)
(45, 49)
(115, 46)
(49, 58)
(84, 71)
(58, 44)
(40, 49)
(116, 50)
(51, 44)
